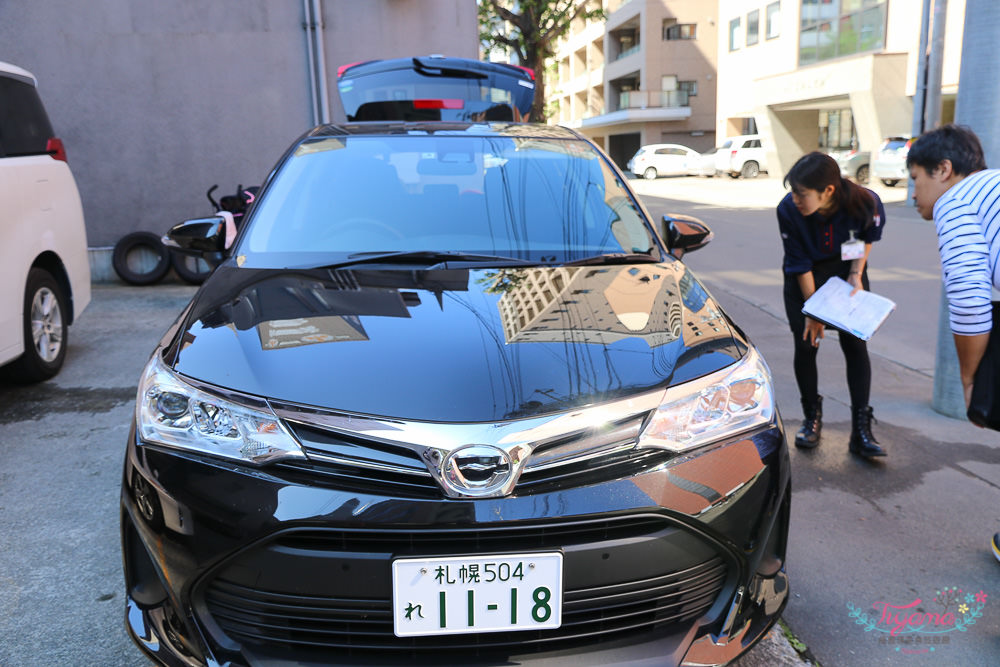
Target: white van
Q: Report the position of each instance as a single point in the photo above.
(741, 156)
(43, 243)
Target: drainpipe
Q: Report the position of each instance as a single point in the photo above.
(307, 26)
(321, 87)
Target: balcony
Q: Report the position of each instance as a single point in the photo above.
(629, 51)
(642, 106)
(652, 99)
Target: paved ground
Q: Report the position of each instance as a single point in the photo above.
(894, 532)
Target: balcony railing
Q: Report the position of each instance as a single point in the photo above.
(652, 99)
(629, 51)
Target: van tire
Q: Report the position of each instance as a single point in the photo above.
(123, 259)
(750, 169)
(44, 308)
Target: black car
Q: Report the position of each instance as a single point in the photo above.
(452, 398)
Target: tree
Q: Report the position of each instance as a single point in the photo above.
(529, 29)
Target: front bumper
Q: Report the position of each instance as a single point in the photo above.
(681, 563)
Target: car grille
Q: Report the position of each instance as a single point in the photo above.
(348, 461)
(253, 607)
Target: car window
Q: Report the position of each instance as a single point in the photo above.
(726, 144)
(24, 125)
(430, 95)
(524, 197)
(894, 144)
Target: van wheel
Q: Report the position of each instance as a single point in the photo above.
(139, 258)
(649, 174)
(44, 329)
(750, 169)
(862, 174)
(889, 182)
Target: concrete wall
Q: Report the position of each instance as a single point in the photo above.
(156, 101)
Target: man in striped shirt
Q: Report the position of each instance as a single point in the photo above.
(953, 187)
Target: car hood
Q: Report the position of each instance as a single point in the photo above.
(453, 345)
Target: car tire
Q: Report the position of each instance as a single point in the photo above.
(139, 258)
(191, 269)
(649, 174)
(45, 329)
(734, 174)
(861, 175)
(889, 182)
(750, 169)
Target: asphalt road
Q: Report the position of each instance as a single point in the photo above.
(861, 534)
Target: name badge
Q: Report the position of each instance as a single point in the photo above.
(853, 249)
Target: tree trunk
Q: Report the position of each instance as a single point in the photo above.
(538, 105)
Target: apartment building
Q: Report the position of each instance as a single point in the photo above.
(825, 74)
(645, 75)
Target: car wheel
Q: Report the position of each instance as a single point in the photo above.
(750, 169)
(734, 174)
(889, 182)
(45, 330)
(190, 268)
(649, 174)
(139, 258)
(862, 174)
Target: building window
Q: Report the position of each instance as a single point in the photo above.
(835, 28)
(734, 34)
(773, 13)
(753, 27)
(672, 30)
(689, 87)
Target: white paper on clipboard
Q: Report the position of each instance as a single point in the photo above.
(860, 315)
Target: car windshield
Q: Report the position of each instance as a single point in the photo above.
(528, 198)
(894, 144)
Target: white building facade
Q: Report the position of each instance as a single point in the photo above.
(825, 74)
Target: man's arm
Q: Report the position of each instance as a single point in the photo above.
(970, 352)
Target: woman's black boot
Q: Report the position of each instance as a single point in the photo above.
(862, 442)
(808, 435)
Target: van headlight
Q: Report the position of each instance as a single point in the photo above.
(712, 408)
(173, 413)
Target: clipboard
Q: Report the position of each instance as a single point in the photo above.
(860, 315)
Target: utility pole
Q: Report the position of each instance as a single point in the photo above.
(920, 95)
(978, 107)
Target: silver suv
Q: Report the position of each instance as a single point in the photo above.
(43, 243)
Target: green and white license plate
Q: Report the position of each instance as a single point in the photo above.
(452, 595)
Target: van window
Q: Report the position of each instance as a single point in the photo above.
(24, 125)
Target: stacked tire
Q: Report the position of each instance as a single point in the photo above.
(140, 258)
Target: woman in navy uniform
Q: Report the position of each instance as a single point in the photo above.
(828, 225)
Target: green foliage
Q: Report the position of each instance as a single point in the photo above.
(528, 29)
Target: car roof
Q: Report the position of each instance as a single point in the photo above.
(668, 146)
(15, 72)
(485, 129)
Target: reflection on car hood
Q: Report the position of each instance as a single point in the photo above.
(453, 345)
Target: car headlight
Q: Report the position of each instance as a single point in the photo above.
(173, 413)
(713, 408)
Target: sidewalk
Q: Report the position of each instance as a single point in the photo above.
(763, 192)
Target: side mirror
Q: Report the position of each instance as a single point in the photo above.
(684, 233)
(201, 236)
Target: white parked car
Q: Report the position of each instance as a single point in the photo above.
(741, 156)
(43, 243)
(704, 165)
(662, 160)
(889, 165)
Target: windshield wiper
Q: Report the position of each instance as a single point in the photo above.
(429, 257)
(614, 258)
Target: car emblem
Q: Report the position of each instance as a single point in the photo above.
(476, 470)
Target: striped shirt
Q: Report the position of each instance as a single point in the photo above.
(967, 218)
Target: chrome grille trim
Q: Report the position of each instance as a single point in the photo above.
(566, 438)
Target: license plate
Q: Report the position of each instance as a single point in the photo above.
(459, 594)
